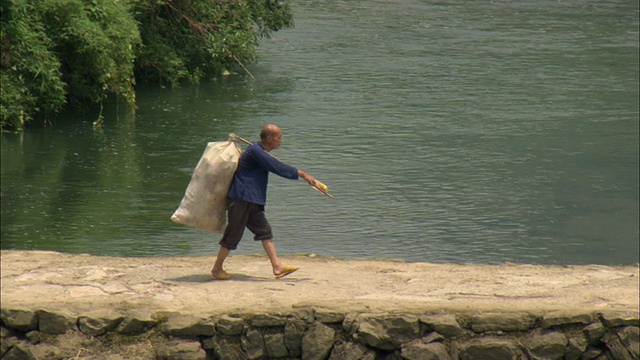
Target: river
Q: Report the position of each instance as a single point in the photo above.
(448, 131)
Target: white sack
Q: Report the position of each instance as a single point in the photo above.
(204, 203)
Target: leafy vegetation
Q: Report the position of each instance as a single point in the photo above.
(57, 53)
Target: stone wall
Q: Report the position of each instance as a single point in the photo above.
(318, 334)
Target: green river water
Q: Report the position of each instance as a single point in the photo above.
(449, 131)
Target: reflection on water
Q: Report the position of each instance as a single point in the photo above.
(448, 131)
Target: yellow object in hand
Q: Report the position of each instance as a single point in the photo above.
(321, 186)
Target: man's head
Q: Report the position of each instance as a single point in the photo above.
(271, 137)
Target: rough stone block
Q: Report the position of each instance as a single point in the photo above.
(230, 326)
(305, 314)
(98, 323)
(432, 337)
(489, 348)
(181, 350)
(45, 352)
(138, 322)
(594, 332)
(50, 322)
(616, 349)
(225, 347)
(7, 343)
(562, 318)
(207, 343)
(19, 351)
(187, 326)
(349, 351)
(577, 344)
(19, 319)
(613, 319)
(444, 324)
(5, 333)
(268, 320)
(274, 342)
(317, 342)
(349, 324)
(329, 317)
(546, 345)
(32, 336)
(421, 350)
(253, 344)
(618, 342)
(630, 338)
(294, 331)
(387, 332)
(591, 353)
(501, 322)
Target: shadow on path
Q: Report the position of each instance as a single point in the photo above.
(205, 278)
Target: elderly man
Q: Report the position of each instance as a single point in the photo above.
(247, 198)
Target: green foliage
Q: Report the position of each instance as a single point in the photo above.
(96, 42)
(60, 52)
(31, 79)
(271, 15)
(56, 50)
(189, 39)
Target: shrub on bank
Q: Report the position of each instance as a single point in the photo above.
(57, 53)
(187, 40)
(31, 80)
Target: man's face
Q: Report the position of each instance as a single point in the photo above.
(275, 140)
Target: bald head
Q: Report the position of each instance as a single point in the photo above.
(271, 137)
(269, 130)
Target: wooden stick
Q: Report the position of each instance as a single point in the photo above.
(233, 136)
(245, 69)
(322, 191)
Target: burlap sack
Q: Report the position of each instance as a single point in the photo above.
(204, 203)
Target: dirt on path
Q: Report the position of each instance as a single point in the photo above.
(78, 283)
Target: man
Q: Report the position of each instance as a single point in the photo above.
(247, 198)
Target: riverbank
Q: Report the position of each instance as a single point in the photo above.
(477, 297)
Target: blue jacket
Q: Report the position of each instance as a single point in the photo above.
(251, 178)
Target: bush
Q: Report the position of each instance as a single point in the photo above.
(31, 78)
(188, 39)
(96, 43)
(61, 52)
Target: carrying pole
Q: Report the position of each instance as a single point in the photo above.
(234, 137)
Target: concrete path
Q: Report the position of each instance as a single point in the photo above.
(77, 283)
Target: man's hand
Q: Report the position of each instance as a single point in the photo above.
(310, 179)
(315, 183)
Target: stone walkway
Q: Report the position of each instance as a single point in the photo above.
(77, 283)
(57, 306)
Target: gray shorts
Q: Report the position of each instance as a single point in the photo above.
(243, 214)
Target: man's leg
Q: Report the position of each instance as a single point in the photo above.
(237, 216)
(279, 269)
(218, 271)
(261, 228)
(270, 248)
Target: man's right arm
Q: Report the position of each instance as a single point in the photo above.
(310, 179)
(272, 164)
